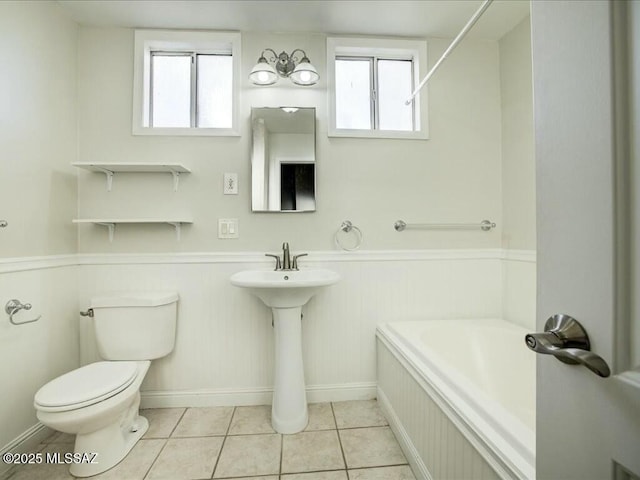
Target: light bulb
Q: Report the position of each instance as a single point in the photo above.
(305, 76)
(263, 76)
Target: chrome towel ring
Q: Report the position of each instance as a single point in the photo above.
(348, 227)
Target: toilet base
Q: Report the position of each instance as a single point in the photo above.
(111, 443)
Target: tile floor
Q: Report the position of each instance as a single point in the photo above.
(343, 441)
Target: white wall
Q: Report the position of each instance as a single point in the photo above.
(454, 177)
(518, 177)
(38, 198)
(518, 151)
(37, 129)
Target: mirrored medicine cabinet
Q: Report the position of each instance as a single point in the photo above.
(283, 159)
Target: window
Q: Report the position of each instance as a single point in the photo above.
(185, 83)
(190, 90)
(370, 81)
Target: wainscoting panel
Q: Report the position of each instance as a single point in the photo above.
(519, 288)
(434, 446)
(33, 354)
(225, 338)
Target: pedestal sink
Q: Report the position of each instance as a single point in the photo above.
(286, 291)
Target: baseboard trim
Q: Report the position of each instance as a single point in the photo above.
(27, 442)
(254, 396)
(419, 468)
(341, 392)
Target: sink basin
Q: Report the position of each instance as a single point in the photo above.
(284, 288)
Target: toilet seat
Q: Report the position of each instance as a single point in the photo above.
(86, 386)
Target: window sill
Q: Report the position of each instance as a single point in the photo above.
(388, 134)
(186, 132)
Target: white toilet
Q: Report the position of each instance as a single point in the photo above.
(99, 402)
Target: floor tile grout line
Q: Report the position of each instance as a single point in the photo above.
(166, 441)
(369, 426)
(372, 467)
(178, 422)
(146, 474)
(224, 440)
(233, 413)
(281, 455)
(215, 435)
(304, 472)
(344, 458)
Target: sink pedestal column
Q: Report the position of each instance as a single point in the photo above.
(289, 411)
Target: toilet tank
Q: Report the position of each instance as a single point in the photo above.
(135, 326)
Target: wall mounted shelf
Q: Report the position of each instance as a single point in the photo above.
(109, 169)
(111, 223)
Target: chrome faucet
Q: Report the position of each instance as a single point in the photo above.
(286, 259)
(287, 262)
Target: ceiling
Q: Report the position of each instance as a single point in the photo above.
(416, 18)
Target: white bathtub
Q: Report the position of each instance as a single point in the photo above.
(481, 377)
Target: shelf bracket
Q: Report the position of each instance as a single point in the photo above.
(111, 227)
(178, 226)
(176, 179)
(109, 175)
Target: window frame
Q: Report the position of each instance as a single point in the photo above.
(378, 49)
(186, 42)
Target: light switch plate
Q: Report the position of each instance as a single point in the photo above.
(230, 184)
(228, 228)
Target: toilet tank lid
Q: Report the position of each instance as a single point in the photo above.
(134, 299)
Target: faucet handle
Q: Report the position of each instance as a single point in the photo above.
(278, 265)
(294, 265)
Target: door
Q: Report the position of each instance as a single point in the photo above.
(586, 112)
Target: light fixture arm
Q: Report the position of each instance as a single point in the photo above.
(295, 59)
(283, 62)
(273, 52)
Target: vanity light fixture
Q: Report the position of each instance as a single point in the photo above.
(298, 69)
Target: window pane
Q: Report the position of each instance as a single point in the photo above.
(353, 94)
(215, 81)
(171, 91)
(394, 87)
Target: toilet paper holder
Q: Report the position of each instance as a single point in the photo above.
(13, 306)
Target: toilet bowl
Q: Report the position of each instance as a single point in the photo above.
(99, 403)
(105, 420)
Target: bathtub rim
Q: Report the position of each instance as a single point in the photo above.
(507, 461)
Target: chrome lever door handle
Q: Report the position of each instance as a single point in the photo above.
(593, 362)
(566, 339)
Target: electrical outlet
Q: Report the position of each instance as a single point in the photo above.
(230, 184)
(228, 228)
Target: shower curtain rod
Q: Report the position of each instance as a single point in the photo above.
(449, 49)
